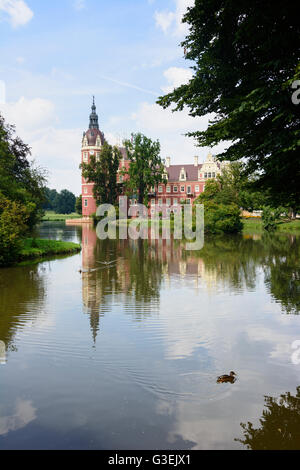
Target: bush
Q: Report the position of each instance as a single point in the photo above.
(13, 219)
(270, 217)
(224, 218)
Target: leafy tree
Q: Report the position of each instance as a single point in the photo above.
(246, 56)
(221, 213)
(50, 196)
(237, 187)
(20, 180)
(222, 218)
(78, 205)
(64, 202)
(270, 218)
(103, 173)
(146, 168)
(13, 225)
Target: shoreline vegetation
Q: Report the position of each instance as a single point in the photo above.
(255, 225)
(249, 224)
(51, 216)
(38, 248)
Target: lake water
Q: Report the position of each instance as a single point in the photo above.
(126, 355)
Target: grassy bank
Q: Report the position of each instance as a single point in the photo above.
(51, 216)
(37, 248)
(255, 225)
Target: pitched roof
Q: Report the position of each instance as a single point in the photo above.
(190, 170)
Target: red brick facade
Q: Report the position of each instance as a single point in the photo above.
(184, 182)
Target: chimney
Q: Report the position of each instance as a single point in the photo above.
(168, 161)
(195, 161)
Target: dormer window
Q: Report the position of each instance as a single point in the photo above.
(182, 176)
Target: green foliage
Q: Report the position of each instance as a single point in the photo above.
(64, 202)
(13, 226)
(103, 173)
(245, 59)
(36, 248)
(220, 218)
(20, 180)
(54, 217)
(270, 218)
(50, 196)
(279, 425)
(78, 205)
(221, 213)
(146, 168)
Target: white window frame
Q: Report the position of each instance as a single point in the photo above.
(86, 202)
(197, 188)
(182, 191)
(175, 189)
(168, 188)
(160, 189)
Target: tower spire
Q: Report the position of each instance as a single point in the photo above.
(94, 117)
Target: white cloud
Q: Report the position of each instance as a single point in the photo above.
(176, 76)
(169, 128)
(171, 21)
(18, 12)
(29, 115)
(24, 414)
(79, 4)
(57, 150)
(20, 60)
(164, 19)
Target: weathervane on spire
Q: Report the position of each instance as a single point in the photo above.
(94, 117)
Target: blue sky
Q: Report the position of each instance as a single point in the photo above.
(56, 55)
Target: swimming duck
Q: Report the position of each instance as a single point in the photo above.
(227, 378)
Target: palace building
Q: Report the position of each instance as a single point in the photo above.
(183, 183)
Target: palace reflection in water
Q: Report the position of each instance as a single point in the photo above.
(126, 354)
(136, 269)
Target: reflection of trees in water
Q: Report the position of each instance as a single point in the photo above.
(282, 270)
(133, 274)
(145, 274)
(21, 288)
(279, 425)
(233, 259)
(140, 266)
(236, 261)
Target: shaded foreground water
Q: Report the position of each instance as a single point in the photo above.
(126, 355)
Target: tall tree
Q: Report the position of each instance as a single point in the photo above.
(246, 58)
(146, 168)
(20, 180)
(64, 203)
(103, 173)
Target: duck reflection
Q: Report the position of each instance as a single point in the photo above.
(279, 425)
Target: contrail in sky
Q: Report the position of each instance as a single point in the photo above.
(129, 85)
